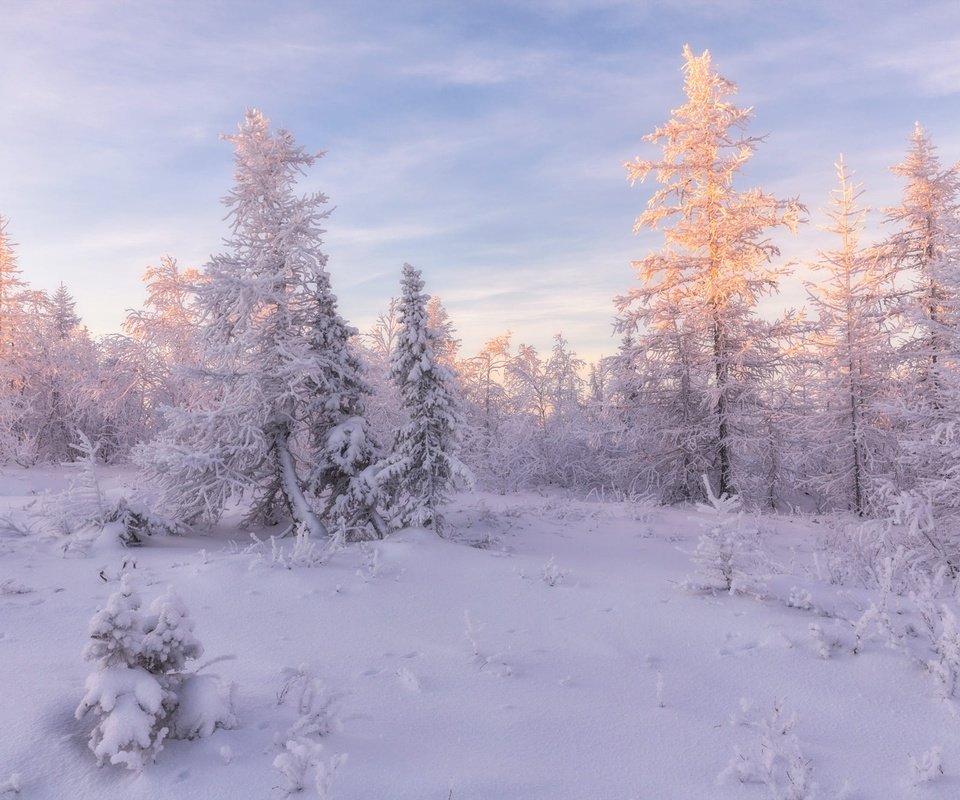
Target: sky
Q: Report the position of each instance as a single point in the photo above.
(481, 141)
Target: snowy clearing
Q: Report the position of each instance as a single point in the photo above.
(562, 659)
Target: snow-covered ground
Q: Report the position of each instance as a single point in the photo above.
(552, 651)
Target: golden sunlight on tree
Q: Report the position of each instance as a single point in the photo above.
(695, 306)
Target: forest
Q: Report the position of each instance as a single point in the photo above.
(241, 378)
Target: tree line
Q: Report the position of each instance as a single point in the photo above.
(243, 380)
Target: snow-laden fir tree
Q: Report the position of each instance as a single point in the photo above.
(423, 467)
(140, 692)
(704, 350)
(848, 437)
(280, 416)
(133, 692)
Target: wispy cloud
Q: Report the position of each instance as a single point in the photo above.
(482, 140)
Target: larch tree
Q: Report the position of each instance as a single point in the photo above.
(10, 284)
(925, 254)
(281, 416)
(447, 343)
(164, 335)
(694, 316)
(848, 434)
(423, 466)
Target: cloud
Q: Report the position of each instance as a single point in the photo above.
(481, 141)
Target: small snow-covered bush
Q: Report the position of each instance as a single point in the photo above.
(551, 574)
(12, 785)
(726, 555)
(773, 758)
(139, 693)
(941, 627)
(203, 705)
(315, 705)
(300, 758)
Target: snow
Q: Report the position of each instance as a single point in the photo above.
(560, 660)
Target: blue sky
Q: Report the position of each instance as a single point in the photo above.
(483, 142)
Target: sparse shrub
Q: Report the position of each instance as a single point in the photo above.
(773, 758)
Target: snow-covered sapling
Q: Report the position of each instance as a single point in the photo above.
(551, 574)
(726, 554)
(300, 758)
(496, 663)
(139, 692)
(774, 759)
(130, 703)
(821, 646)
(314, 704)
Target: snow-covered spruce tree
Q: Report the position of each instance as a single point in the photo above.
(848, 438)
(423, 467)
(131, 693)
(705, 351)
(280, 414)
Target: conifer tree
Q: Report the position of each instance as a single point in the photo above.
(847, 440)
(63, 310)
(423, 467)
(925, 253)
(694, 317)
(281, 415)
(447, 344)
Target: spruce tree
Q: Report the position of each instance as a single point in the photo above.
(423, 467)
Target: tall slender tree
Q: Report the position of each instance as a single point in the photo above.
(925, 254)
(848, 434)
(694, 314)
(424, 465)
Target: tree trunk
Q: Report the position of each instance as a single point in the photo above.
(299, 507)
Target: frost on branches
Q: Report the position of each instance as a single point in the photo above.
(279, 414)
(926, 249)
(848, 440)
(423, 467)
(705, 352)
(139, 693)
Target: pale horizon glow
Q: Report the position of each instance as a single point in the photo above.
(482, 142)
